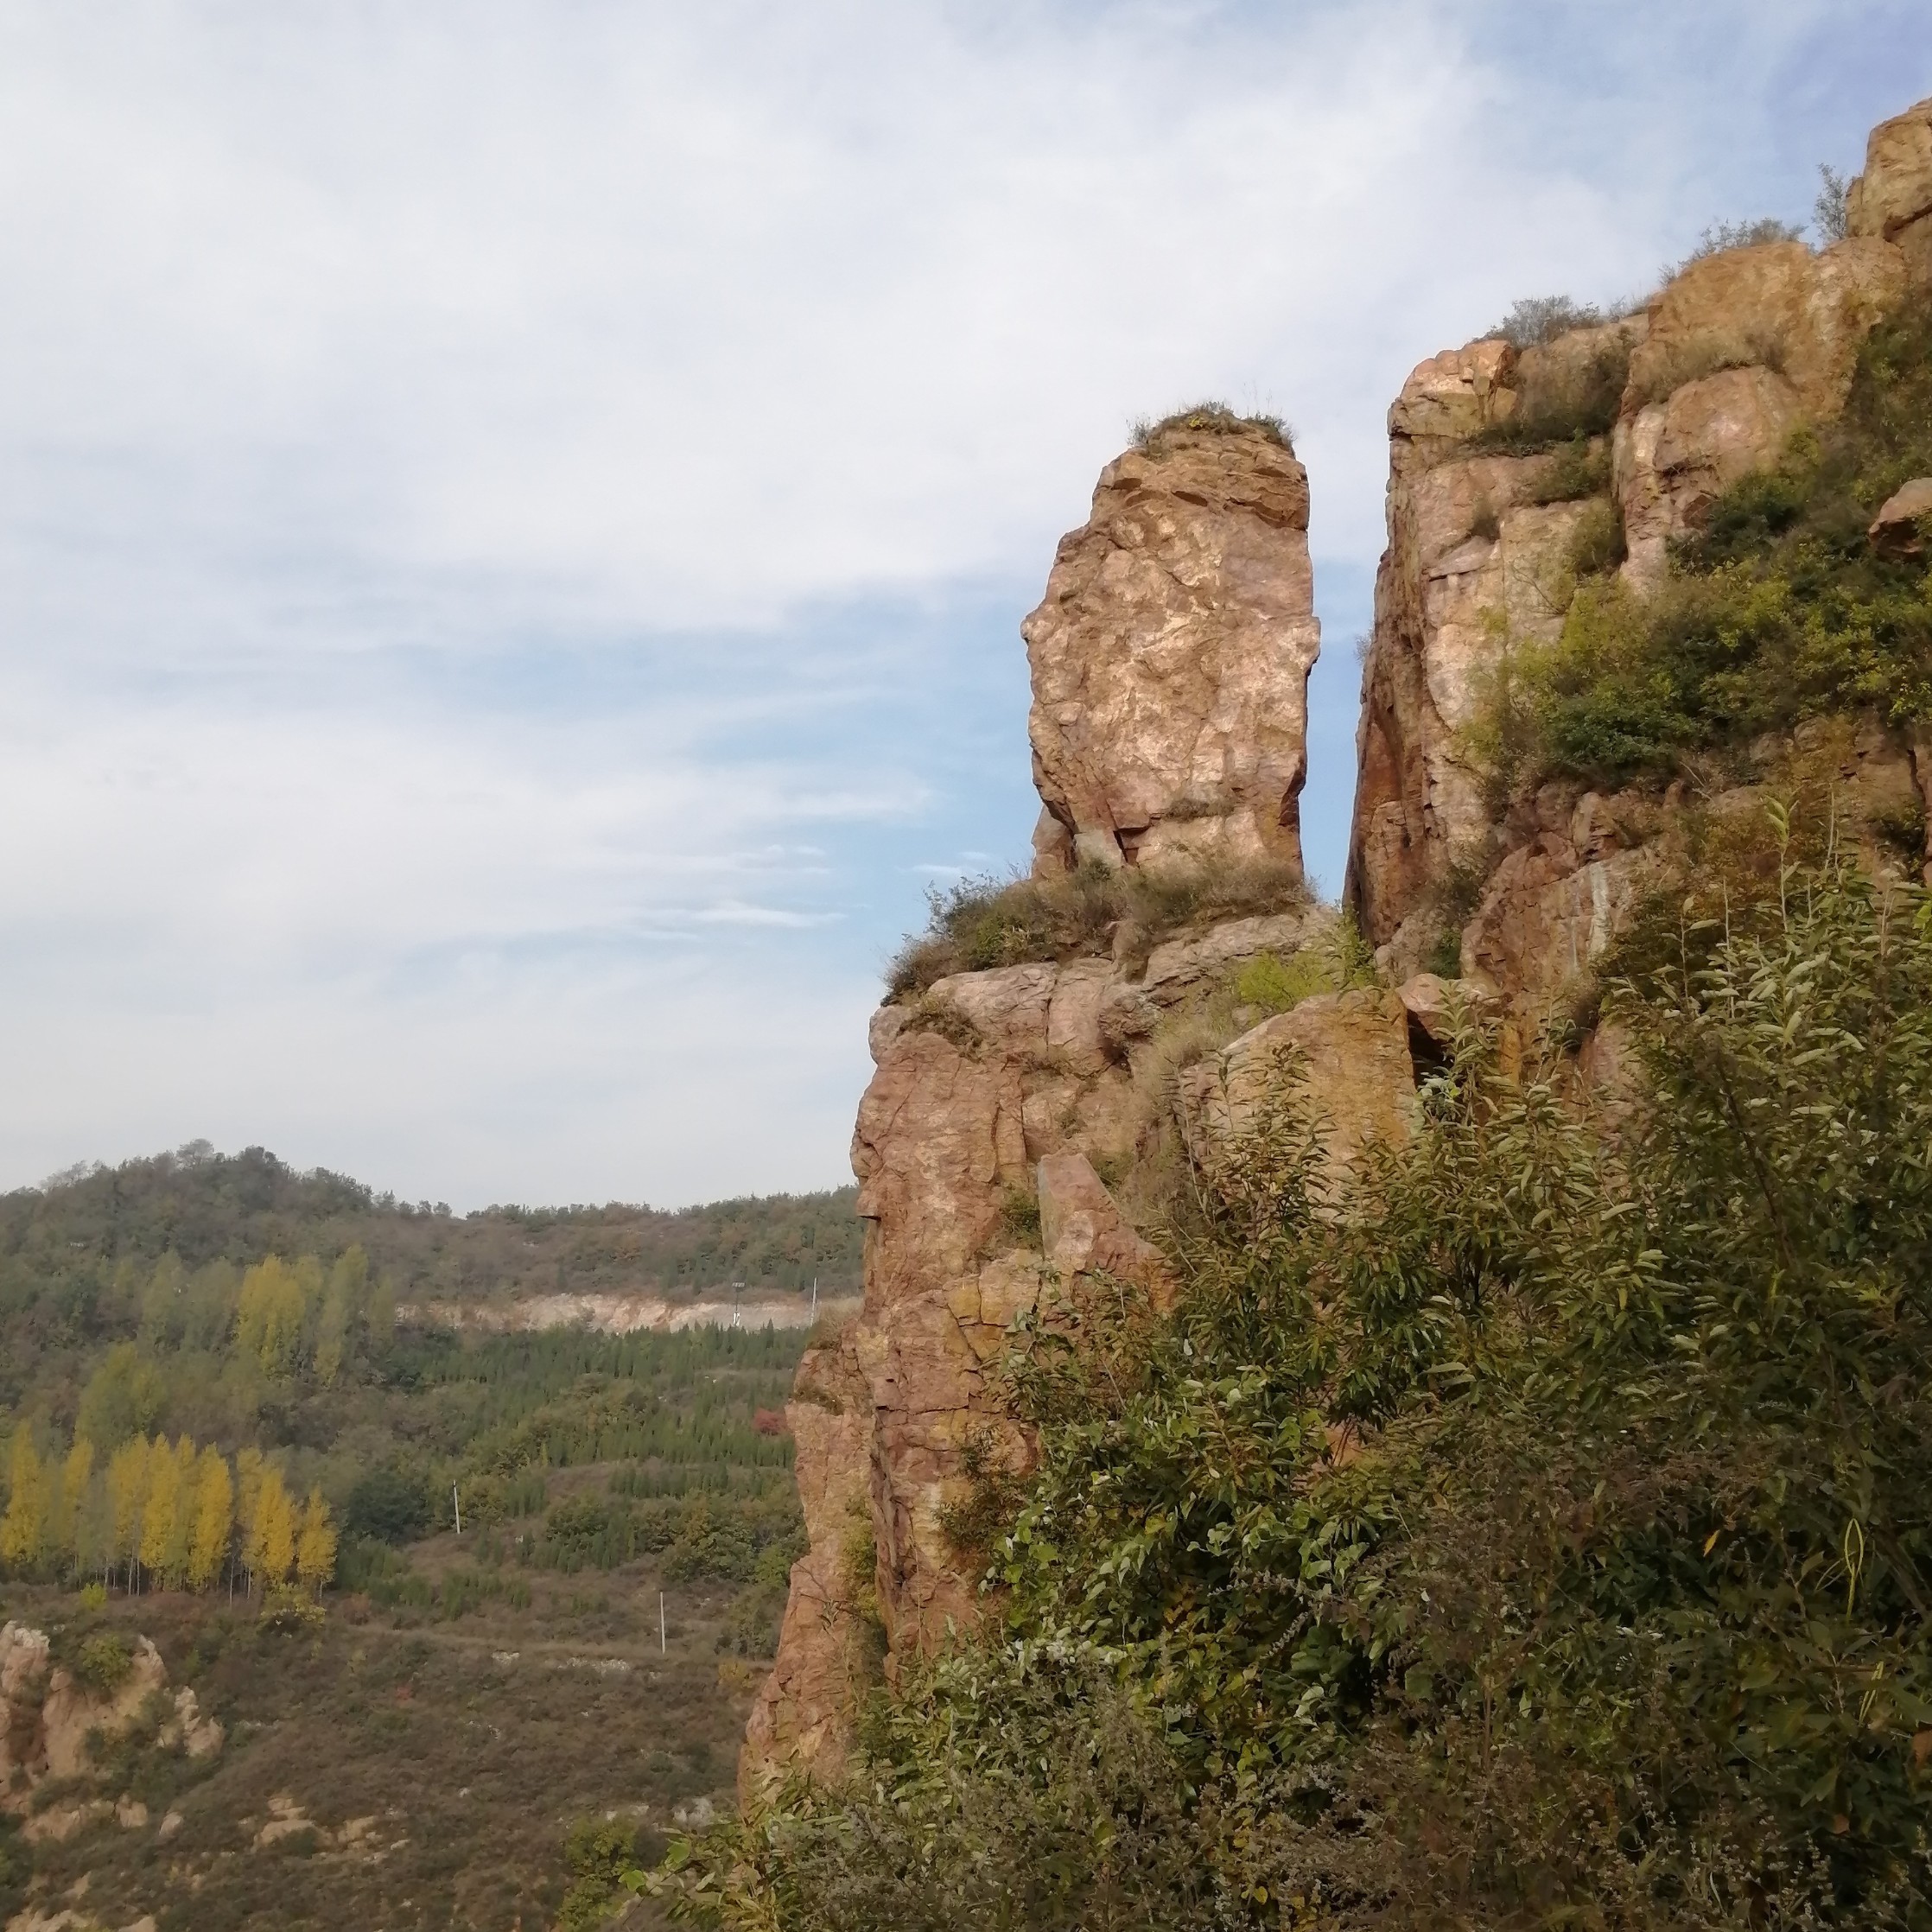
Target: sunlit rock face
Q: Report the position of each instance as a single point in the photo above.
(1734, 354)
(1170, 658)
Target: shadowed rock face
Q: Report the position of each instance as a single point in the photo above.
(1170, 659)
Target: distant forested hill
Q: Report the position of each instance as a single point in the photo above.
(204, 1207)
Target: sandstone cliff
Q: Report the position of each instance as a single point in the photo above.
(1170, 661)
(1677, 401)
(54, 1724)
(1013, 1131)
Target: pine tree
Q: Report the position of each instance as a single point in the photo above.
(214, 1519)
(315, 1548)
(24, 1526)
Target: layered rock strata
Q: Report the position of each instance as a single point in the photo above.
(1170, 659)
(1710, 379)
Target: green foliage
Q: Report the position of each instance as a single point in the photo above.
(983, 923)
(1830, 215)
(104, 1662)
(602, 1859)
(1778, 611)
(1543, 1539)
(1580, 468)
(1212, 418)
(386, 1506)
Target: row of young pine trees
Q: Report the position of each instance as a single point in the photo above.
(166, 1514)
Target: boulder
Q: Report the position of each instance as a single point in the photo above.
(1899, 528)
(1170, 659)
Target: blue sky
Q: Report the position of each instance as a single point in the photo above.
(514, 518)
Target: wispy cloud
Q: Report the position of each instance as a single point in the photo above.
(513, 519)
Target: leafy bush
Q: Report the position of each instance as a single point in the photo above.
(1543, 1539)
(1580, 468)
(1560, 402)
(386, 1506)
(983, 923)
(104, 1662)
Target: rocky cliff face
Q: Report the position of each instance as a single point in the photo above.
(1170, 658)
(1169, 661)
(1705, 383)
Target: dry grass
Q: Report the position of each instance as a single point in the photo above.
(475, 1746)
(1212, 418)
(985, 923)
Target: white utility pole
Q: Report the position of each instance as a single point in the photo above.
(814, 1297)
(458, 1501)
(660, 1622)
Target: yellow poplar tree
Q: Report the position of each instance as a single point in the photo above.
(268, 1318)
(160, 1507)
(25, 1522)
(76, 1474)
(214, 1519)
(274, 1539)
(315, 1547)
(127, 1489)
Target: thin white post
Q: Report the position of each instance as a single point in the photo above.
(814, 1297)
(660, 1622)
(458, 1501)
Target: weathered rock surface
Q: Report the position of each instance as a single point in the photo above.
(1741, 348)
(1892, 200)
(1170, 659)
(1725, 362)
(1898, 530)
(1352, 1051)
(994, 1098)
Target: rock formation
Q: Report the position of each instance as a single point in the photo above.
(1706, 382)
(1169, 662)
(52, 1724)
(1170, 657)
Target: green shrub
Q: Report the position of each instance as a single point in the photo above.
(1536, 320)
(1597, 545)
(1558, 405)
(104, 1662)
(1543, 1539)
(1580, 468)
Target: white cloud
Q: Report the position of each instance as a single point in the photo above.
(380, 378)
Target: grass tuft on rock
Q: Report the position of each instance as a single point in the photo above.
(987, 922)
